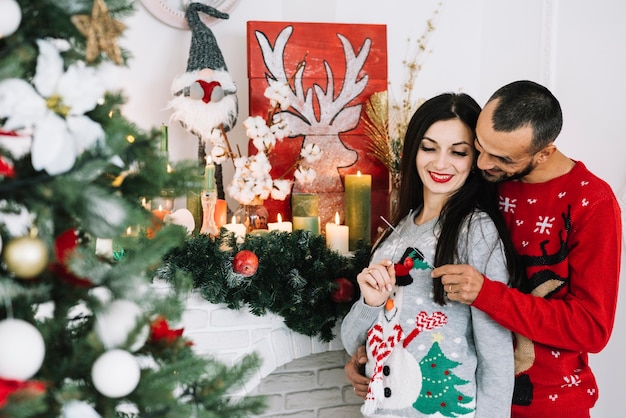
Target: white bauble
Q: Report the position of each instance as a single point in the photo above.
(115, 373)
(22, 349)
(10, 17)
(79, 409)
(117, 321)
(182, 217)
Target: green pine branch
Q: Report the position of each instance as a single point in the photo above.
(295, 277)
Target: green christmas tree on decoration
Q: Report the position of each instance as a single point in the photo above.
(439, 386)
(83, 335)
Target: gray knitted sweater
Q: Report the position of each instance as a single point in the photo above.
(428, 360)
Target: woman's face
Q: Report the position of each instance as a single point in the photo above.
(444, 157)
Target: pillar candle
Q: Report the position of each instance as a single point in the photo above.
(280, 225)
(358, 208)
(238, 229)
(209, 176)
(164, 140)
(221, 207)
(104, 247)
(305, 204)
(307, 223)
(337, 236)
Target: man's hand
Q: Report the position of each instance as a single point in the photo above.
(354, 373)
(461, 282)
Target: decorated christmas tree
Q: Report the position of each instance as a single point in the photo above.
(439, 390)
(83, 333)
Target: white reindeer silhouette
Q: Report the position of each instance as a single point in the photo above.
(335, 116)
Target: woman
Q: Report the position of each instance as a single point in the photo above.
(428, 356)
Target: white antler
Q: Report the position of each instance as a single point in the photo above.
(351, 88)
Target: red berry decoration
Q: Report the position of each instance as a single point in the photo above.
(344, 293)
(245, 263)
(408, 263)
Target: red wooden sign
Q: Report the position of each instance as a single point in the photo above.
(344, 65)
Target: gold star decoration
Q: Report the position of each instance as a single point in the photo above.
(101, 32)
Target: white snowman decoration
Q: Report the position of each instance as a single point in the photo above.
(389, 362)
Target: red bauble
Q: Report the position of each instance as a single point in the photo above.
(344, 293)
(64, 247)
(245, 263)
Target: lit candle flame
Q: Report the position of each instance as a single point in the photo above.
(160, 208)
(128, 230)
(233, 221)
(336, 218)
(280, 218)
(358, 173)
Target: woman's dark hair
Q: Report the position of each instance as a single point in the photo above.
(475, 194)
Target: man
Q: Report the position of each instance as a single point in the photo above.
(566, 226)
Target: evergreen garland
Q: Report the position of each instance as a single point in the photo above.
(295, 277)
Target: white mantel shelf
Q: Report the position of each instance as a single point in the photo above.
(229, 335)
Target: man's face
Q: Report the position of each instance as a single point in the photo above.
(503, 155)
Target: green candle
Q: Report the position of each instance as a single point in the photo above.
(305, 204)
(164, 140)
(358, 208)
(209, 176)
(307, 223)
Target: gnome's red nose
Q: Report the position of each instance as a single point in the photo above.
(210, 91)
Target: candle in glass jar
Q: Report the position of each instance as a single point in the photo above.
(160, 212)
(280, 225)
(337, 236)
(358, 208)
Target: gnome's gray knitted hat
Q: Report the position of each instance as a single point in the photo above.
(204, 51)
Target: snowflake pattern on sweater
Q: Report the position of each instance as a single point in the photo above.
(568, 233)
(423, 358)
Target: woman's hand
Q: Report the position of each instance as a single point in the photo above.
(376, 282)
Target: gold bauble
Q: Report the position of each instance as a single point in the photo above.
(26, 257)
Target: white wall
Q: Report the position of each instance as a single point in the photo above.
(574, 47)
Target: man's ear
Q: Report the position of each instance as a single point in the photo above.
(543, 155)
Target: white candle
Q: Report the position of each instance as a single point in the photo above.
(337, 236)
(280, 225)
(104, 247)
(238, 229)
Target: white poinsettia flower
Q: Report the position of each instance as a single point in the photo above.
(311, 153)
(85, 132)
(53, 148)
(281, 189)
(20, 104)
(305, 175)
(54, 110)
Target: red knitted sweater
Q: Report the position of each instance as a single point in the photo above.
(568, 232)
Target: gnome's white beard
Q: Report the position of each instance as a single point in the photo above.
(199, 117)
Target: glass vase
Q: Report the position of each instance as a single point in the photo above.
(253, 215)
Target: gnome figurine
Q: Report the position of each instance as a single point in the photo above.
(205, 95)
